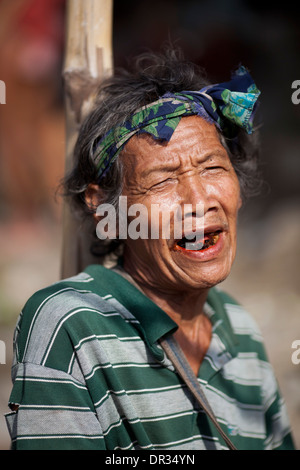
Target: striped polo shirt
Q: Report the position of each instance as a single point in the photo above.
(89, 373)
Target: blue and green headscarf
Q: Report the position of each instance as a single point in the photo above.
(228, 105)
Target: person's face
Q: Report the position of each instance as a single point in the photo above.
(192, 168)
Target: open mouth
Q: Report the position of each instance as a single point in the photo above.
(209, 240)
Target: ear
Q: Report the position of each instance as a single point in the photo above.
(93, 197)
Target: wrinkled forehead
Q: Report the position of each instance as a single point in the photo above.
(193, 138)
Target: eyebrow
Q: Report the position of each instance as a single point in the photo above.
(160, 169)
(217, 152)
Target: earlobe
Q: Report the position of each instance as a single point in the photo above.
(93, 197)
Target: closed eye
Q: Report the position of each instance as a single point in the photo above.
(161, 183)
(216, 168)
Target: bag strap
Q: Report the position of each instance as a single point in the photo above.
(175, 354)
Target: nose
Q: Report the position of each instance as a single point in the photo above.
(196, 192)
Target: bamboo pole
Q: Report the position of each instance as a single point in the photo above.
(88, 59)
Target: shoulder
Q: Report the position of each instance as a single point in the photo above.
(67, 293)
(241, 320)
(55, 319)
(241, 326)
(70, 287)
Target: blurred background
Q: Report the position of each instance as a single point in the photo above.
(215, 34)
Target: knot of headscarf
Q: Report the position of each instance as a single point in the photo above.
(228, 105)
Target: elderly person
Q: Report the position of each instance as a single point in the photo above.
(111, 358)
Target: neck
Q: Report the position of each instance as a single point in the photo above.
(186, 308)
(182, 305)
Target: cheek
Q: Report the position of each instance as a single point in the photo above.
(227, 191)
(160, 210)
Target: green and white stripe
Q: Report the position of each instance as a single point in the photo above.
(89, 373)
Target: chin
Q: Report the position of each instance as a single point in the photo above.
(205, 275)
(211, 281)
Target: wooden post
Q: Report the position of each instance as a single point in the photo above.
(88, 59)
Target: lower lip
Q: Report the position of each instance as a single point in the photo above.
(205, 255)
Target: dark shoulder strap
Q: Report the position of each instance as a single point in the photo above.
(176, 356)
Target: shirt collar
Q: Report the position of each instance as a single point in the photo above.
(154, 322)
(220, 320)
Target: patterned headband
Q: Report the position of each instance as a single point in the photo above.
(228, 105)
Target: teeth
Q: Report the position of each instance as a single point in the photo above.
(209, 240)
